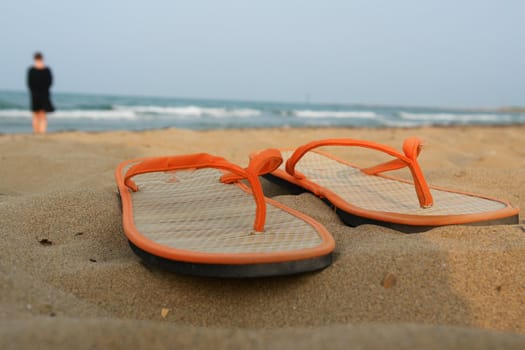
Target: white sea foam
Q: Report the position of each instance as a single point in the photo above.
(453, 117)
(138, 112)
(192, 111)
(15, 113)
(96, 114)
(335, 114)
(73, 114)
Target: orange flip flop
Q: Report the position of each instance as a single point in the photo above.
(365, 195)
(192, 214)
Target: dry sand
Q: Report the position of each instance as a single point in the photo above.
(68, 279)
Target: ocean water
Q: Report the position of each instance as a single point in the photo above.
(105, 112)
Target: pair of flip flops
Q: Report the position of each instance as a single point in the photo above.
(202, 215)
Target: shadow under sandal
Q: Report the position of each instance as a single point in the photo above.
(193, 214)
(367, 196)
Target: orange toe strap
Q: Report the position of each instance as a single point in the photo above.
(261, 163)
(411, 149)
(264, 161)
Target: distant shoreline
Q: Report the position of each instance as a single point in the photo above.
(496, 109)
(270, 129)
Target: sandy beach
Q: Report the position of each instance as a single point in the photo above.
(68, 278)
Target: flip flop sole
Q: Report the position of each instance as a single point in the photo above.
(235, 271)
(191, 223)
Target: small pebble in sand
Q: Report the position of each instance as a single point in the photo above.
(389, 280)
(164, 312)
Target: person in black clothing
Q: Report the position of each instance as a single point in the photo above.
(39, 80)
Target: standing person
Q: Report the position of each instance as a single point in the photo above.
(39, 80)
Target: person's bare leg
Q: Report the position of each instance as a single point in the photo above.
(35, 122)
(42, 122)
(39, 122)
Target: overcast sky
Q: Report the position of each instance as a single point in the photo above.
(458, 53)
